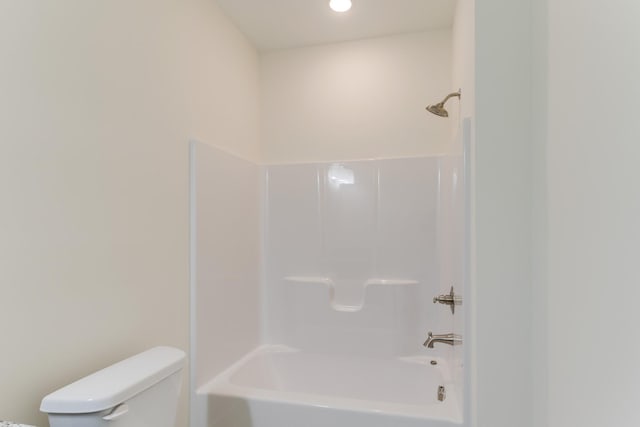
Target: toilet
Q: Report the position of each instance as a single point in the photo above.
(141, 391)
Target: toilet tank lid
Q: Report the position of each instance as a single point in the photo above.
(116, 384)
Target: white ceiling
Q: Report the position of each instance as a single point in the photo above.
(276, 24)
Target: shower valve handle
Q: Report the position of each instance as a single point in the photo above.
(450, 299)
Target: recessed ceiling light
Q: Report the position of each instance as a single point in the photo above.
(340, 5)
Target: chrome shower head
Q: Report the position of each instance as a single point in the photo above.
(439, 109)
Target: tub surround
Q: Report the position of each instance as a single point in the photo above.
(352, 255)
(355, 252)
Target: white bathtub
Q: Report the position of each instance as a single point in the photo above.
(276, 386)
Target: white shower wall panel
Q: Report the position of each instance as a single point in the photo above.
(292, 230)
(348, 195)
(352, 256)
(453, 253)
(407, 240)
(226, 250)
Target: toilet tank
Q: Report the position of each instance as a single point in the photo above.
(141, 391)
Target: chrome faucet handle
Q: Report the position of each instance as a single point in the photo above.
(450, 299)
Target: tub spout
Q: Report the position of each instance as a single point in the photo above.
(451, 339)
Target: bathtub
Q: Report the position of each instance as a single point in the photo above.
(278, 386)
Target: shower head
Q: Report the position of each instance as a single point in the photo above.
(439, 109)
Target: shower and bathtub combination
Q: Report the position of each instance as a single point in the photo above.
(329, 294)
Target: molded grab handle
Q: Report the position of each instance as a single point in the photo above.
(119, 411)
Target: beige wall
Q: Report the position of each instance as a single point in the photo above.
(356, 100)
(97, 102)
(462, 68)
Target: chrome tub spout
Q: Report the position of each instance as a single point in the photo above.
(451, 339)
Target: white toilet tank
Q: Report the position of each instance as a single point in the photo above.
(141, 391)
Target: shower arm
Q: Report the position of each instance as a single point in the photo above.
(451, 95)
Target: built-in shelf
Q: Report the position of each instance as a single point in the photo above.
(348, 298)
(371, 282)
(309, 279)
(390, 282)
